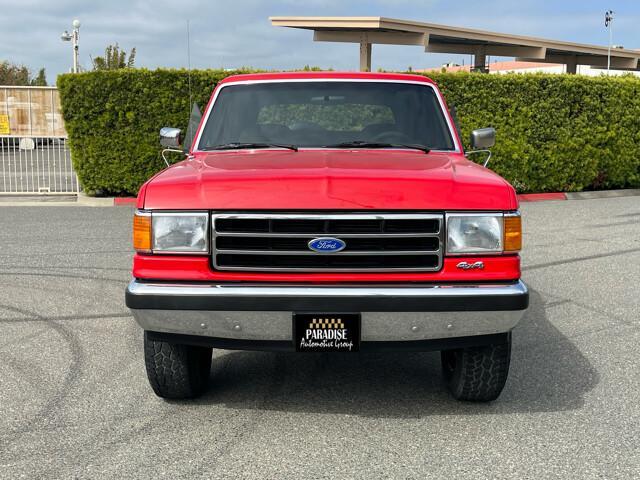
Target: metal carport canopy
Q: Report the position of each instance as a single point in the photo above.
(435, 38)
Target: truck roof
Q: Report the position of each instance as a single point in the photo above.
(247, 77)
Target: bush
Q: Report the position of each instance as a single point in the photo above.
(113, 119)
(555, 132)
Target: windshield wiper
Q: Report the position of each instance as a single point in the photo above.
(240, 145)
(365, 144)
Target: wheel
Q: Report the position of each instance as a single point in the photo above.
(477, 374)
(176, 371)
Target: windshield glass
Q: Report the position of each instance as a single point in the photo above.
(317, 114)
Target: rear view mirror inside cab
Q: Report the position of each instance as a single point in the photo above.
(328, 98)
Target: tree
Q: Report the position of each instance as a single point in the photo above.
(19, 75)
(12, 74)
(40, 80)
(114, 59)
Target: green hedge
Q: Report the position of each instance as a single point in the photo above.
(555, 132)
(113, 119)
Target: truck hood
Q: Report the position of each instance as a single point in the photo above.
(328, 180)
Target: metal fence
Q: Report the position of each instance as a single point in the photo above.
(36, 165)
(34, 156)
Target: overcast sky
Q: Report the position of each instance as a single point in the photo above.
(235, 33)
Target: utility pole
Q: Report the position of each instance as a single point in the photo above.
(608, 23)
(74, 38)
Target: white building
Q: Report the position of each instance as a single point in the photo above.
(530, 67)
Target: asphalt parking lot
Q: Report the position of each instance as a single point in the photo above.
(75, 401)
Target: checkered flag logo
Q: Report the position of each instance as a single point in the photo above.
(326, 323)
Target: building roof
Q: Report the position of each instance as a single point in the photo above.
(506, 66)
(448, 39)
(519, 65)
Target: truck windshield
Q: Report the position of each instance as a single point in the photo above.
(321, 114)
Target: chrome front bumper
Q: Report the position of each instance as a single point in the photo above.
(389, 313)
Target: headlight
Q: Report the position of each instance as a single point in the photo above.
(180, 232)
(469, 233)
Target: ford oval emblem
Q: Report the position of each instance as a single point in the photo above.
(326, 245)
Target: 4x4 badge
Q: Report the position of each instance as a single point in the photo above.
(470, 266)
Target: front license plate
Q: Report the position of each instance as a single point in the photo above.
(326, 332)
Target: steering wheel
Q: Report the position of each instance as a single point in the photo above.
(391, 136)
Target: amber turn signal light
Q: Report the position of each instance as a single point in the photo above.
(512, 233)
(142, 232)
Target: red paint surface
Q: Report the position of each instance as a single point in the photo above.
(121, 201)
(168, 267)
(324, 179)
(523, 197)
(252, 77)
(541, 197)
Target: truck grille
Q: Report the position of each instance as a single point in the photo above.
(374, 242)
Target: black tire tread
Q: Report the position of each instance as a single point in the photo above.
(480, 373)
(176, 371)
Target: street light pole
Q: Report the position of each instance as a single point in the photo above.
(608, 22)
(74, 38)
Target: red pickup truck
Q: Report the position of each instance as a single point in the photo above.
(327, 212)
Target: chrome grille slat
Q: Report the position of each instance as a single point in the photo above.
(341, 235)
(328, 216)
(271, 250)
(343, 253)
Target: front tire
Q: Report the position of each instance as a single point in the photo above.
(176, 371)
(477, 374)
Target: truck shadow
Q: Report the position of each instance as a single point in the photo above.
(548, 373)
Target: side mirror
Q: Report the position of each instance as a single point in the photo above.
(170, 137)
(483, 138)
